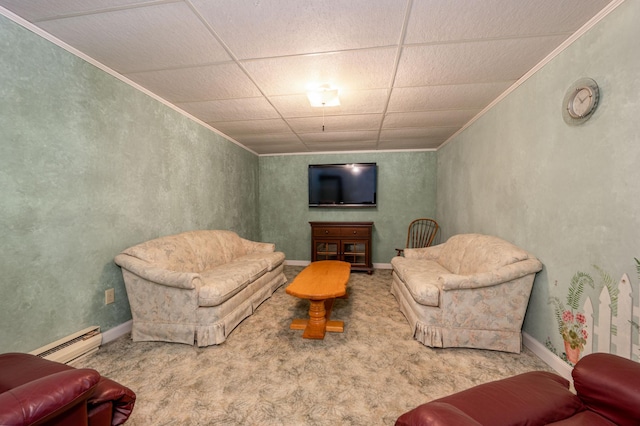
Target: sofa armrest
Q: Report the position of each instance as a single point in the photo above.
(186, 280)
(257, 247)
(610, 386)
(48, 397)
(487, 279)
(426, 253)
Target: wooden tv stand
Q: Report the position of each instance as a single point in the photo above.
(346, 241)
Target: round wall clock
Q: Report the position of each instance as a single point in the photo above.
(580, 101)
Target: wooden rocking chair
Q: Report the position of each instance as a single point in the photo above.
(421, 234)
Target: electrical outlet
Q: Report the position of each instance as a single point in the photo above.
(109, 296)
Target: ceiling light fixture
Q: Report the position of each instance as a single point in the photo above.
(322, 96)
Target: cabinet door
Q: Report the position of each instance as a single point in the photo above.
(355, 252)
(326, 250)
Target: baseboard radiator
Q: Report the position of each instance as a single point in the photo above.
(73, 347)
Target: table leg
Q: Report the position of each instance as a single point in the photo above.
(317, 320)
(318, 323)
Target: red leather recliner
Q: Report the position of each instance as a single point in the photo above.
(36, 391)
(607, 386)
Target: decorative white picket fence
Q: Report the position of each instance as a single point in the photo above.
(614, 332)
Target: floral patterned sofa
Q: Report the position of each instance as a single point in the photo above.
(471, 291)
(196, 287)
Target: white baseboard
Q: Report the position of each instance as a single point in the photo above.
(296, 262)
(116, 332)
(551, 359)
(306, 262)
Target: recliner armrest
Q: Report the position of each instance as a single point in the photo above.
(536, 398)
(121, 399)
(610, 386)
(437, 414)
(45, 398)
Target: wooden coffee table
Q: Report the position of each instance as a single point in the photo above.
(321, 282)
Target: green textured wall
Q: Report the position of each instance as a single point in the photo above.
(570, 195)
(90, 166)
(406, 190)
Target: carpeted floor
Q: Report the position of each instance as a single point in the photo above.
(266, 374)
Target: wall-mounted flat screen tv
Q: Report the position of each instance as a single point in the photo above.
(343, 185)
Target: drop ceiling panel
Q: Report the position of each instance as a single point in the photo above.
(222, 81)
(276, 144)
(340, 146)
(48, 9)
(141, 39)
(420, 143)
(271, 138)
(418, 133)
(251, 127)
(457, 96)
(446, 20)
(351, 70)
(336, 123)
(449, 118)
(363, 101)
(482, 61)
(230, 109)
(343, 137)
(254, 29)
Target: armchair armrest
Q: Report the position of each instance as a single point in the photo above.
(259, 247)
(487, 279)
(186, 280)
(47, 397)
(427, 253)
(610, 386)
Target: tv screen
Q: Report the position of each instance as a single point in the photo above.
(343, 185)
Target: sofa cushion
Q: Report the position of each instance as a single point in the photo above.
(206, 246)
(172, 252)
(273, 259)
(487, 253)
(584, 418)
(231, 245)
(421, 278)
(224, 281)
(453, 250)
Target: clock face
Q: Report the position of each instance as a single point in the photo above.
(581, 103)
